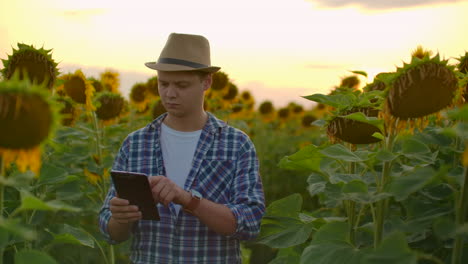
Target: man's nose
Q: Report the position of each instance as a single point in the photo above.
(171, 91)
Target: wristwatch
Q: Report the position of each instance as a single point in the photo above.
(194, 202)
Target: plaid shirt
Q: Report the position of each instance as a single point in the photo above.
(224, 170)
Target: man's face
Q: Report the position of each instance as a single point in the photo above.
(182, 92)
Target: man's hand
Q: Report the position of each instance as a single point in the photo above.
(165, 191)
(123, 212)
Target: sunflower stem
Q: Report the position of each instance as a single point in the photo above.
(2, 188)
(382, 205)
(460, 220)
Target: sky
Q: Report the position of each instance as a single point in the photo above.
(278, 50)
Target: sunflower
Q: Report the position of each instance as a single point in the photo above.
(96, 84)
(307, 120)
(247, 100)
(139, 96)
(78, 88)
(463, 63)
(423, 87)
(69, 113)
(220, 81)
(110, 81)
(27, 118)
(33, 64)
(350, 82)
(110, 106)
(267, 111)
(152, 86)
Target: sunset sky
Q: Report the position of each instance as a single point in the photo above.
(279, 50)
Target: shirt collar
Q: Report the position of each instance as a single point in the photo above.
(213, 125)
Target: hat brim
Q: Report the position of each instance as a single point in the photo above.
(175, 67)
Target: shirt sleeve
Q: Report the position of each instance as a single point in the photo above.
(248, 201)
(105, 213)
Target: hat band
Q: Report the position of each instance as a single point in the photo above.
(182, 62)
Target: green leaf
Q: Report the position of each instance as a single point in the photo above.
(73, 235)
(285, 260)
(283, 232)
(444, 227)
(401, 187)
(363, 73)
(289, 206)
(339, 100)
(415, 149)
(331, 253)
(343, 178)
(378, 135)
(308, 158)
(14, 227)
(361, 117)
(51, 174)
(393, 249)
(333, 231)
(316, 184)
(355, 186)
(33, 256)
(340, 152)
(385, 155)
(30, 202)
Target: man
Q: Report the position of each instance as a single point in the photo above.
(204, 173)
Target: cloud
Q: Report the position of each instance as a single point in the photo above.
(381, 4)
(84, 13)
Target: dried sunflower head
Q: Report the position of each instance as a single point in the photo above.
(422, 87)
(33, 64)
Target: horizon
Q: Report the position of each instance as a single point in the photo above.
(279, 51)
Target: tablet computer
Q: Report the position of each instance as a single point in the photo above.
(135, 188)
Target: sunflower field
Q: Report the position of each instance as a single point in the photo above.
(374, 173)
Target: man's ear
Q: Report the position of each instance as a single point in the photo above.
(207, 82)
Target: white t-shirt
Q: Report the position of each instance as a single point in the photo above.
(178, 149)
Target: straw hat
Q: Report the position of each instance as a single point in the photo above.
(184, 52)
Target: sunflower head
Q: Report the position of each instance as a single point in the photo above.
(152, 86)
(352, 131)
(283, 113)
(220, 81)
(110, 105)
(423, 87)
(307, 120)
(68, 112)
(231, 92)
(96, 84)
(27, 118)
(139, 96)
(247, 100)
(266, 108)
(33, 64)
(110, 81)
(350, 82)
(79, 89)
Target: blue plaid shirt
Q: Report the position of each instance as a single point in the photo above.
(224, 170)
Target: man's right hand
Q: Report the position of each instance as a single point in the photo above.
(124, 213)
